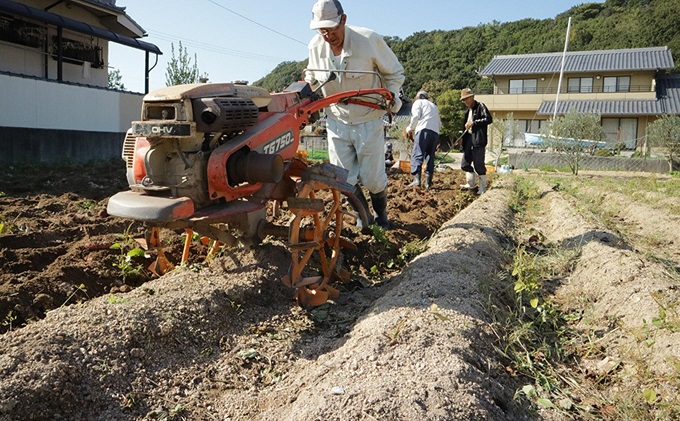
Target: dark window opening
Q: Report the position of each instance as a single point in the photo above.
(77, 52)
(20, 32)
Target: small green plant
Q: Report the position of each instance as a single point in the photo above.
(5, 228)
(128, 268)
(380, 235)
(129, 400)
(236, 307)
(177, 410)
(79, 288)
(115, 299)
(9, 320)
(412, 249)
(249, 354)
(434, 310)
(129, 251)
(87, 205)
(525, 192)
(395, 334)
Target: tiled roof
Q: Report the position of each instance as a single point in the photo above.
(652, 58)
(667, 102)
(668, 92)
(108, 3)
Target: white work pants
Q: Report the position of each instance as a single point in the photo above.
(360, 149)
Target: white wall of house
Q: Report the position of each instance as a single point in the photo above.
(40, 104)
(21, 59)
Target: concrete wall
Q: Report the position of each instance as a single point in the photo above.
(45, 121)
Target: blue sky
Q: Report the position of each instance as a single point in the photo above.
(245, 40)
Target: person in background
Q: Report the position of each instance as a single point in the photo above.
(389, 157)
(427, 125)
(355, 132)
(477, 120)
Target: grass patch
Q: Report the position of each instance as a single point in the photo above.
(560, 350)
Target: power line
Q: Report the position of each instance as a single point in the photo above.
(212, 47)
(257, 23)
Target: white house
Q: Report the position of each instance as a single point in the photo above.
(54, 101)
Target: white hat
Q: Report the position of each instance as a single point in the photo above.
(422, 95)
(326, 14)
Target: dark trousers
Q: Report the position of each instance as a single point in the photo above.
(423, 150)
(473, 157)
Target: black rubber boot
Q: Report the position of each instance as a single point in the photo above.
(360, 195)
(379, 202)
(428, 181)
(416, 180)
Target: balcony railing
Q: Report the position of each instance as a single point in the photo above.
(566, 90)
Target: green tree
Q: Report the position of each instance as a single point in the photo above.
(435, 88)
(502, 131)
(455, 57)
(115, 80)
(665, 134)
(451, 112)
(182, 69)
(572, 135)
(283, 75)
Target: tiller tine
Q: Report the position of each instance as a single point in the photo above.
(344, 243)
(161, 265)
(313, 297)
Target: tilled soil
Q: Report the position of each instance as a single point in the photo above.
(58, 246)
(225, 340)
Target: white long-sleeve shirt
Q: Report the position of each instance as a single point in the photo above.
(425, 115)
(362, 50)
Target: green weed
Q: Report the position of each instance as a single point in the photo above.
(130, 252)
(87, 205)
(79, 288)
(115, 299)
(531, 329)
(9, 320)
(524, 194)
(395, 334)
(412, 249)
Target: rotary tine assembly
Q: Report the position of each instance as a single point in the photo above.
(315, 231)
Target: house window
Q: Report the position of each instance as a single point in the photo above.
(523, 86)
(19, 32)
(616, 84)
(530, 126)
(620, 132)
(77, 52)
(580, 84)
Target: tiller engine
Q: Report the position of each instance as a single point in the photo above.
(211, 158)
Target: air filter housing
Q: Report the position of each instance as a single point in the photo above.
(227, 115)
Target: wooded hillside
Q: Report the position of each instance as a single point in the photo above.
(446, 60)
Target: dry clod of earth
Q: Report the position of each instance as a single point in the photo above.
(225, 341)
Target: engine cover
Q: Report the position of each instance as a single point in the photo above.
(227, 115)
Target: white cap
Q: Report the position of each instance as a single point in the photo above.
(326, 14)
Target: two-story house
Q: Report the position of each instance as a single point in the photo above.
(628, 88)
(54, 101)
